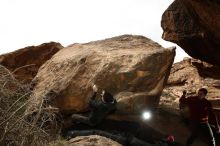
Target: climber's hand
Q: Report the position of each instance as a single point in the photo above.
(95, 89)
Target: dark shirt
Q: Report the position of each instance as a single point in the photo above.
(199, 108)
(100, 109)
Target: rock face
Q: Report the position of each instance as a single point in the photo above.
(133, 68)
(195, 26)
(191, 74)
(92, 140)
(24, 63)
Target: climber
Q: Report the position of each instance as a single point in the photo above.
(99, 109)
(200, 110)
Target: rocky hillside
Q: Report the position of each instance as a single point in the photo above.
(191, 74)
(24, 63)
(195, 26)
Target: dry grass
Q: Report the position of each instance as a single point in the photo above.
(16, 127)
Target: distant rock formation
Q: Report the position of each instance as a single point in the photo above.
(24, 63)
(195, 26)
(133, 68)
(92, 140)
(191, 74)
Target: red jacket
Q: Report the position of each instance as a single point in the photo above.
(200, 109)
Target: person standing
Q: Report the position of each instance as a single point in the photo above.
(200, 110)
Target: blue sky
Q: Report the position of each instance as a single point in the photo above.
(32, 22)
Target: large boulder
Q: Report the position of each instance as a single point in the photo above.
(133, 68)
(24, 63)
(195, 26)
(92, 140)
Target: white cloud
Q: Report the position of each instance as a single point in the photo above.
(32, 22)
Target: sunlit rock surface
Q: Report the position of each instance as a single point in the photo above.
(24, 63)
(133, 68)
(92, 140)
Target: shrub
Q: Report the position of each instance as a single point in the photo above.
(16, 126)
